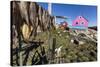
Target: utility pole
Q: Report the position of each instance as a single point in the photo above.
(49, 33)
(50, 8)
(52, 40)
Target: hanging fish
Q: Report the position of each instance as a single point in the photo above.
(26, 31)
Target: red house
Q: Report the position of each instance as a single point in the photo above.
(64, 25)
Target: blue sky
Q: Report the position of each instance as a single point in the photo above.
(72, 11)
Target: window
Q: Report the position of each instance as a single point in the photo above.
(76, 22)
(82, 23)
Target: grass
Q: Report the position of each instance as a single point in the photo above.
(71, 52)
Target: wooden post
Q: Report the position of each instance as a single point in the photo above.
(20, 53)
(53, 49)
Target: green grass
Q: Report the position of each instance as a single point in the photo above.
(71, 52)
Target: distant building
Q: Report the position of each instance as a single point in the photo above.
(64, 25)
(80, 22)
